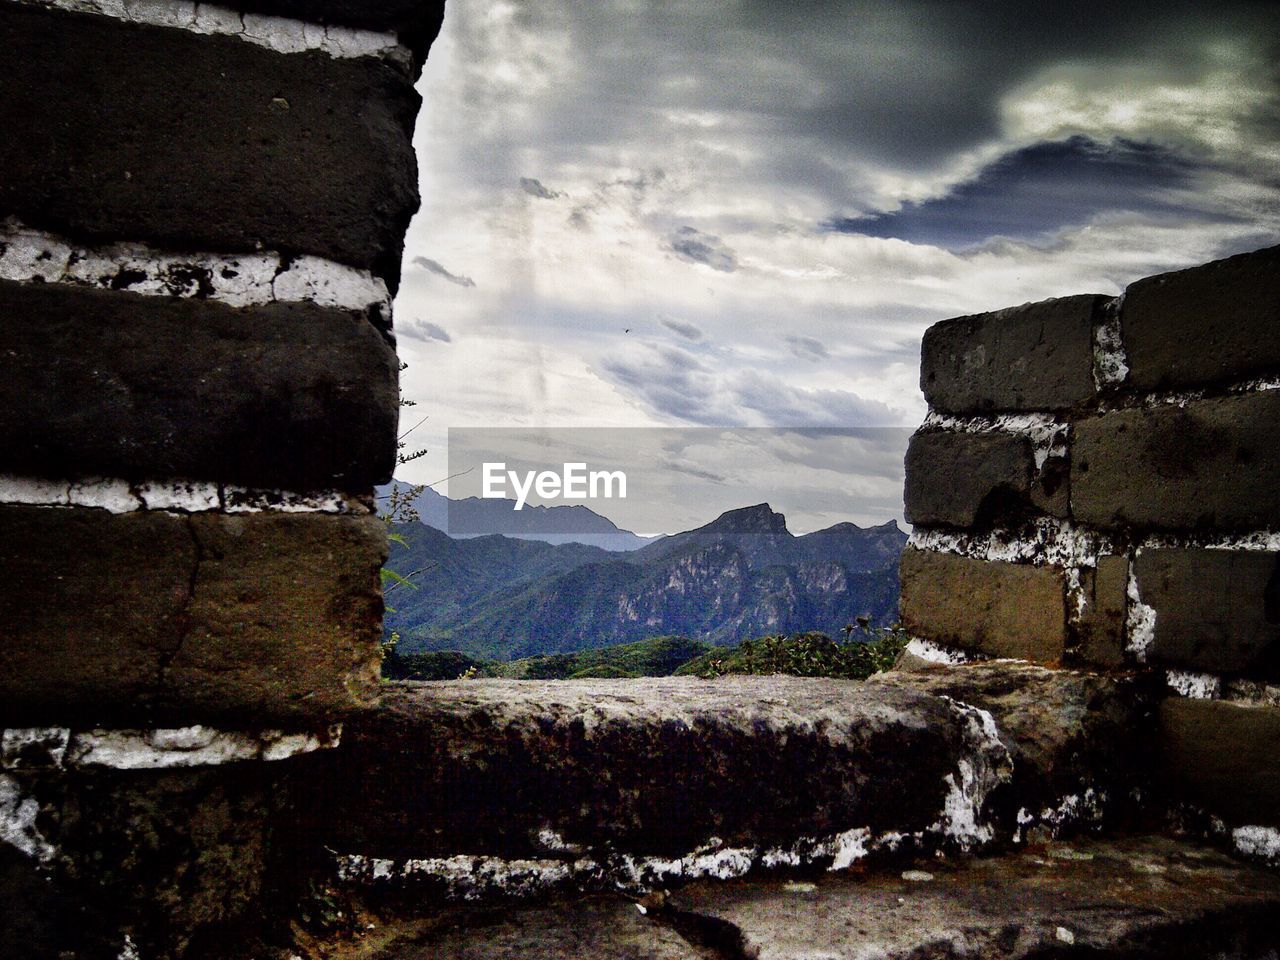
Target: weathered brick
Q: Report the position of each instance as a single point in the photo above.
(1000, 609)
(285, 395)
(1213, 323)
(1035, 357)
(203, 142)
(143, 617)
(963, 479)
(1216, 610)
(1213, 464)
(1100, 629)
(1222, 756)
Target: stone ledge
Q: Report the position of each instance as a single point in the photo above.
(473, 789)
(1079, 741)
(654, 777)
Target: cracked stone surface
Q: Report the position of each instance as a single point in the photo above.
(132, 619)
(1144, 897)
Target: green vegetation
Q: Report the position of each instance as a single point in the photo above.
(805, 655)
(865, 650)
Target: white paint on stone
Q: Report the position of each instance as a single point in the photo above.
(1140, 625)
(18, 822)
(1047, 434)
(1050, 541)
(1239, 690)
(936, 653)
(1110, 360)
(1195, 686)
(279, 34)
(987, 765)
(237, 280)
(157, 749)
(1262, 843)
(1184, 397)
(172, 496)
(184, 497)
(33, 747)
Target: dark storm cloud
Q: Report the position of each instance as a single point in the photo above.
(818, 86)
(433, 266)
(1033, 192)
(698, 247)
(534, 188)
(689, 331)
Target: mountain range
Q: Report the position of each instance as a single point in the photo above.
(741, 576)
(562, 523)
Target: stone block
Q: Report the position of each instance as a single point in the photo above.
(1099, 630)
(1214, 323)
(995, 608)
(1217, 611)
(1208, 465)
(153, 617)
(1038, 356)
(195, 142)
(283, 395)
(1222, 757)
(978, 479)
(654, 769)
(1069, 733)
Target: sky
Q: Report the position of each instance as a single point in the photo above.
(745, 213)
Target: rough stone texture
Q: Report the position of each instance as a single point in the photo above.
(1000, 609)
(204, 142)
(1068, 732)
(173, 859)
(1214, 323)
(1144, 897)
(1216, 610)
(652, 767)
(126, 619)
(1099, 631)
(416, 22)
(286, 395)
(978, 479)
(592, 928)
(1213, 464)
(1222, 756)
(1035, 357)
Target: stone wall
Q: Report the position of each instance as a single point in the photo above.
(202, 211)
(1097, 485)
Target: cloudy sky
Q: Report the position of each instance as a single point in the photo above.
(716, 213)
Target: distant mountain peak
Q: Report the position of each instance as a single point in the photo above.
(759, 518)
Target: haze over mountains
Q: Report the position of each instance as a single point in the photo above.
(740, 576)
